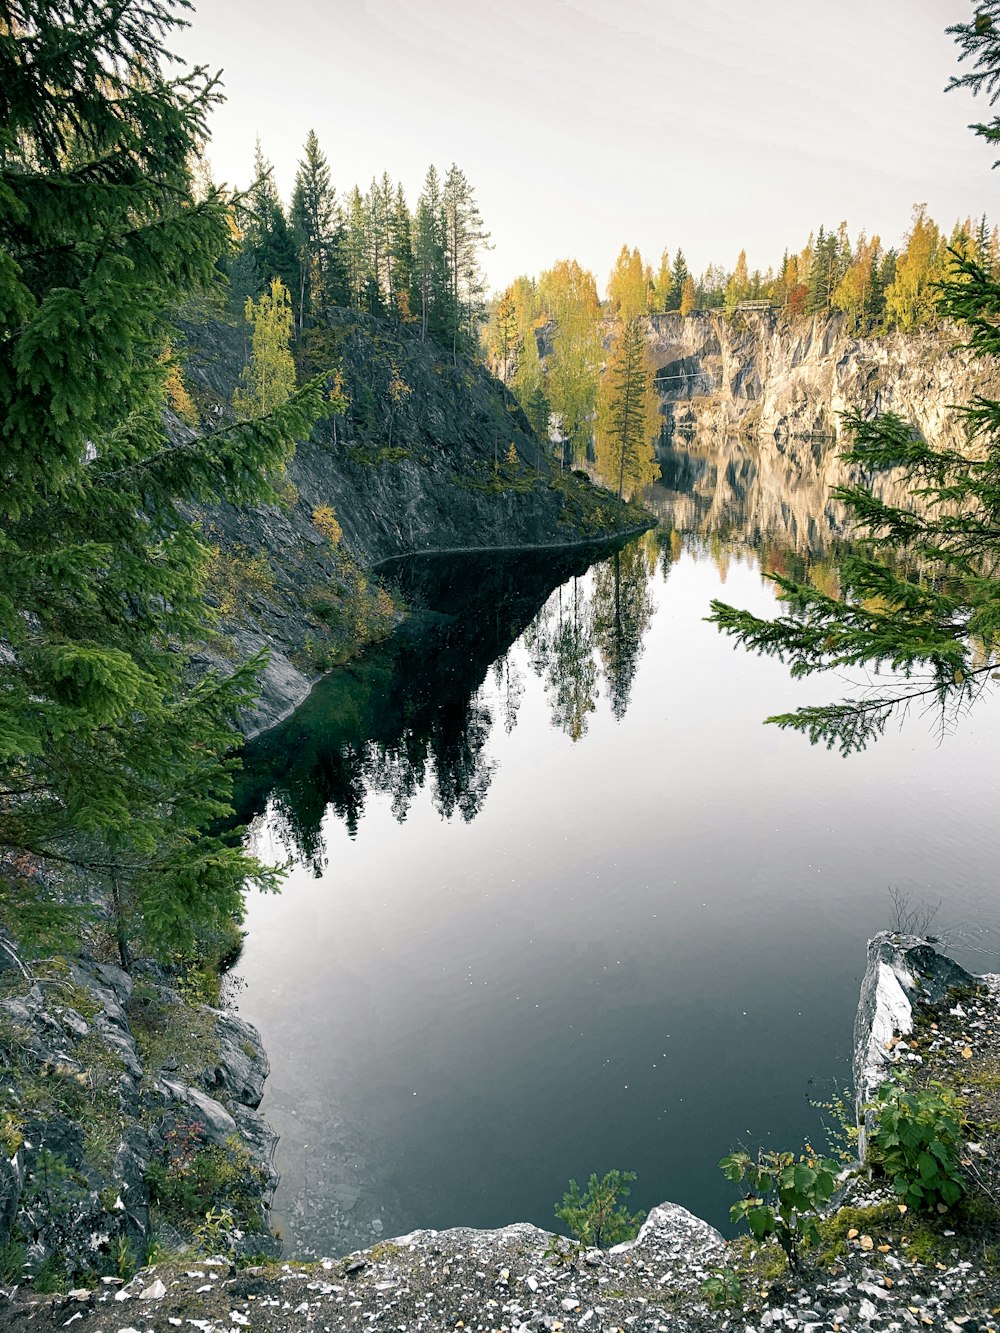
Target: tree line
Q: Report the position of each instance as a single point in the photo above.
(367, 251)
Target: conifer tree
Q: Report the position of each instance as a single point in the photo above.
(112, 757)
(431, 296)
(316, 232)
(628, 419)
(268, 238)
(677, 275)
(464, 237)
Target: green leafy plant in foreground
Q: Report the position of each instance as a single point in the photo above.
(784, 1196)
(916, 1142)
(597, 1217)
(723, 1288)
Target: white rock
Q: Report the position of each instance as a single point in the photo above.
(154, 1292)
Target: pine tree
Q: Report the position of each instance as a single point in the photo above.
(464, 237)
(112, 757)
(431, 298)
(267, 236)
(677, 275)
(401, 252)
(920, 598)
(316, 233)
(628, 419)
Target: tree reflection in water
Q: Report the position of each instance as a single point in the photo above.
(419, 710)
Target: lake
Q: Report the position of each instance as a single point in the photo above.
(559, 902)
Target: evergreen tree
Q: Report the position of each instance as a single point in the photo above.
(111, 755)
(401, 254)
(268, 238)
(316, 229)
(677, 275)
(628, 419)
(357, 251)
(431, 299)
(920, 599)
(464, 237)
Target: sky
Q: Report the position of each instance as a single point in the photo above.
(584, 124)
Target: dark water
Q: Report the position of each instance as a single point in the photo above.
(561, 903)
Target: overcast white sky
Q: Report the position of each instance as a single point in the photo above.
(584, 124)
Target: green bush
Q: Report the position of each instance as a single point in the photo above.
(784, 1196)
(916, 1142)
(596, 1217)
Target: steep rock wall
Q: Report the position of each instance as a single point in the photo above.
(429, 455)
(758, 372)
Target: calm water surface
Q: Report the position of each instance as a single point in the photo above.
(561, 903)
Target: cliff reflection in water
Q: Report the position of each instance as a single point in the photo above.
(418, 711)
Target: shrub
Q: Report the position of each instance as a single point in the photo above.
(916, 1142)
(596, 1217)
(324, 520)
(784, 1196)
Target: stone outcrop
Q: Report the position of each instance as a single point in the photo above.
(109, 1083)
(758, 373)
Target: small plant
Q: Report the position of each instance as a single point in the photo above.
(563, 1253)
(596, 1217)
(785, 1194)
(723, 1288)
(324, 520)
(839, 1125)
(916, 1142)
(218, 1233)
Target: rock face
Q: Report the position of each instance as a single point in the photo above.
(446, 462)
(115, 1095)
(764, 376)
(903, 972)
(523, 1279)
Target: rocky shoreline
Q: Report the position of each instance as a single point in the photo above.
(876, 1267)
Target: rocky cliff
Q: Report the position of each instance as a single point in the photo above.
(771, 378)
(429, 455)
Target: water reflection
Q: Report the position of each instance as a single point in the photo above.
(595, 914)
(418, 712)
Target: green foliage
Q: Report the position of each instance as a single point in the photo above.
(597, 1217)
(192, 1180)
(723, 1288)
(112, 752)
(916, 1143)
(785, 1194)
(269, 379)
